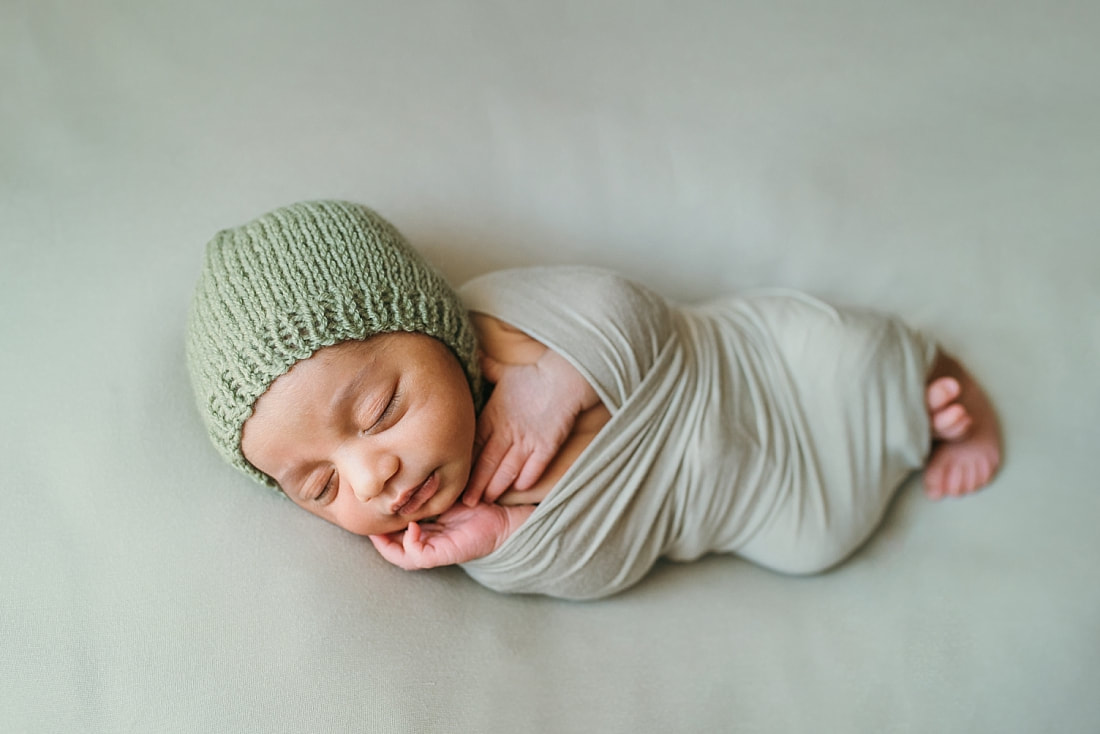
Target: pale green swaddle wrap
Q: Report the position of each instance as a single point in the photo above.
(766, 424)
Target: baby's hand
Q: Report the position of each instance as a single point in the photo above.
(458, 535)
(526, 420)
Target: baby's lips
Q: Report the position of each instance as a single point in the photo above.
(411, 500)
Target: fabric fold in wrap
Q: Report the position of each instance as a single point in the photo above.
(767, 424)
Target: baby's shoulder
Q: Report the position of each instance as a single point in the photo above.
(504, 342)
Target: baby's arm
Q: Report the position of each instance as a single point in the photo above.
(537, 397)
(459, 535)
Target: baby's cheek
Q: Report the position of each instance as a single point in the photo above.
(356, 522)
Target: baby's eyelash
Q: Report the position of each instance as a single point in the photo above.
(331, 484)
(392, 405)
(370, 424)
(388, 411)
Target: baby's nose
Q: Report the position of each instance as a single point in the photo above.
(369, 475)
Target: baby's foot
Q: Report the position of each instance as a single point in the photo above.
(966, 439)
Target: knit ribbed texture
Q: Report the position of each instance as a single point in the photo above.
(306, 276)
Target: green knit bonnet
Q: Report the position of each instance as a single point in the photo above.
(306, 276)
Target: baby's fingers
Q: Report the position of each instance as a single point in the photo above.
(472, 495)
(506, 473)
(411, 540)
(485, 468)
(392, 550)
(533, 469)
(412, 549)
(479, 478)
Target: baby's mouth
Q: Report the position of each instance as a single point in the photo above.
(412, 500)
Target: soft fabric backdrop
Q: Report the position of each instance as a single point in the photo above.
(937, 159)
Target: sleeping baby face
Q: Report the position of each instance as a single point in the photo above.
(369, 435)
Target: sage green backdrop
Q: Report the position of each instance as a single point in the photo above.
(937, 159)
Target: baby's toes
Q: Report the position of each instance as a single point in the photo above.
(954, 479)
(985, 467)
(966, 479)
(982, 474)
(941, 392)
(933, 480)
(951, 423)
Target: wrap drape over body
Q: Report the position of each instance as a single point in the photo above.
(767, 424)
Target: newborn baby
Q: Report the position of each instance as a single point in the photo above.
(332, 363)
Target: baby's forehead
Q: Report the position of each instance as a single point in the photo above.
(350, 364)
(334, 353)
